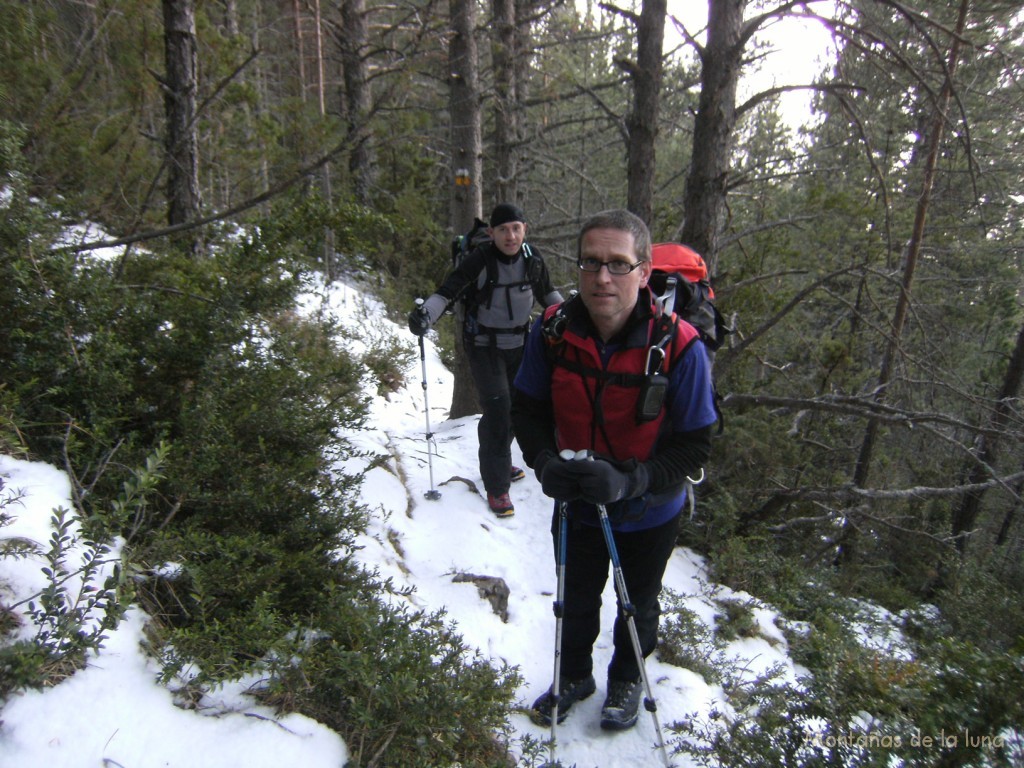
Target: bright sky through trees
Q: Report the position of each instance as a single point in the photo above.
(797, 50)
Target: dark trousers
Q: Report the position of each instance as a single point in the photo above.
(643, 556)
(493, 373)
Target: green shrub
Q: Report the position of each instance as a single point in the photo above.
(686, 641)
(736, 620)
(769, 723)
(924, 699)
(983, 606)
(402, 689)
(388, 357)
(752, 564)
(78, 606)
(106, 360)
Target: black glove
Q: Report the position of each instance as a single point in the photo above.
(419, 321)
(601, 482)
(555, 479)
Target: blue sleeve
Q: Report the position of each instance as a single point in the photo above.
(693, 399)
(534, 376)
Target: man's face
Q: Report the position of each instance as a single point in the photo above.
(610, 298)
(509, 237)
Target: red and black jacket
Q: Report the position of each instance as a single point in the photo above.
(595, 394)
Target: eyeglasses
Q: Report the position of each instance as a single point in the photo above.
(615, 267)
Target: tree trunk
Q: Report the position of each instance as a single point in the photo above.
(506, 140)
(986, 447)
(862, 469)
(180, 87)
(1004, 530)
(704, 196)
(353, 40)
(467, 153)
(329, 260)
(642, 122)
(525, 12)
(300, 48)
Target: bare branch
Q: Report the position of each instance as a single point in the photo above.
(616, 10)
(789, 307)
(228, 213)
(763, 96)
(849, 492)
(863, 406)
(685, 34)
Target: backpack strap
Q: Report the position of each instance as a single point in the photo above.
(534, 272)
(651, 379)
(667, 299)
(483, 294)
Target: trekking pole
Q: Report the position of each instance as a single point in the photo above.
(433, 494)
(559, 608)
(629, 611)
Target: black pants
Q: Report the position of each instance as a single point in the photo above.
(493, 373)
(643, 556)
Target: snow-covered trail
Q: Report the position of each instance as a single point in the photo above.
(424, 543)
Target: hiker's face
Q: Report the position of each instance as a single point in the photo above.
(509, 237)
(610, 298)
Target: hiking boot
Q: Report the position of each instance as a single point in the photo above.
(621, 707)
(501, 505)
(571, 692)
(516, 474)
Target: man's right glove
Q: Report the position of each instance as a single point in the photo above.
(602, 482)
(419, 321)
(555, 479)
(594, 480)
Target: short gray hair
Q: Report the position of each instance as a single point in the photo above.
(624, 221)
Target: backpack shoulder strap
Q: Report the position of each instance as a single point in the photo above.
(491, 278)
(474, 294)
(535, 272)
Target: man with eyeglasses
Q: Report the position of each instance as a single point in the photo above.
(626, 395)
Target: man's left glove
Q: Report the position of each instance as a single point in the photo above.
(602, 482)
(419, 321)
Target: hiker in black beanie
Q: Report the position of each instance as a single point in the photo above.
(496, 285)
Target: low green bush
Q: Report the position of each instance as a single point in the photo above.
(395, 683)
(240, 548)
(87, 590)
(686, 641)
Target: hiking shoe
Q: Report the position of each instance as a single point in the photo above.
(571, 692)
(517, 474)
(501, 505)
(621, 707)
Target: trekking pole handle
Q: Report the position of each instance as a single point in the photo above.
(568, 454)
(423, 352)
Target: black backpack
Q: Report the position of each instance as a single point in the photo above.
(463, 244)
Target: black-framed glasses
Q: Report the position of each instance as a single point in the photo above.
(616, 267)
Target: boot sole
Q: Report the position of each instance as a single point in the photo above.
(611, 724)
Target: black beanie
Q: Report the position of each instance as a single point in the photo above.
(503, 213)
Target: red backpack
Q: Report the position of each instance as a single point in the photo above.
(680, 284)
